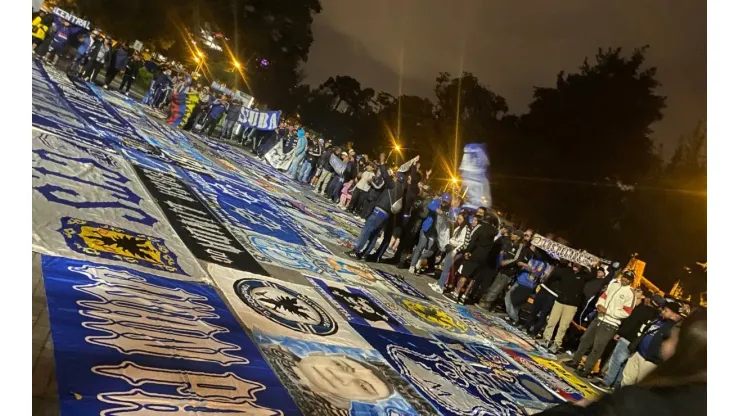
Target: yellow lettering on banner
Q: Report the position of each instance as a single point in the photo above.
(142, 318)
(584, 388)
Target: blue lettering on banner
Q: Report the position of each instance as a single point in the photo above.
(47, 102)
(127, 342)
(72, 134)
(111, 192)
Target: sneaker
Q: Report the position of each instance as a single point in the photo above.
(482, 306)
(583, 373)
(412, 269)
(352, 254)
(554, 349)
(570, 364)
(126, 93)
(601, 386)
(105, 86)
(435, 287)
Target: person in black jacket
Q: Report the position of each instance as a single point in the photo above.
(232, 116)
(384, 209)
(514, 256)
(475, 256)
(571, 281)
(130, 74)
(646, 311)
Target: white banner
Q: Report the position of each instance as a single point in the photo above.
(562, 251)
(281, 308)
(88, 204)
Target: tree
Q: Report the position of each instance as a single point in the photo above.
(688, 166)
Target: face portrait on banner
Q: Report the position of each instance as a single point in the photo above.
(312, 373)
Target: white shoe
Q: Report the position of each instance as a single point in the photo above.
(105, 86)
(412, 269)
(435, 287)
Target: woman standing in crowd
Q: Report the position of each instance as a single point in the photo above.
(361, 190)
(453, 255)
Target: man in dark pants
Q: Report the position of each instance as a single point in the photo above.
(130, 74)
(543, 302)
(614, 305)
(516, 253)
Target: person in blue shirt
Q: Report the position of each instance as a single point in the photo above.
(81, 53)
(437, 207)
(526, 281)
(214, 114)
(648, 346)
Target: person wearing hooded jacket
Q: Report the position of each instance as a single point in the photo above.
(130, 73)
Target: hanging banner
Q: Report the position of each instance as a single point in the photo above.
(564, 252)
(203, 234)
(452, 385)
(260, 120)
(312, 372)
(358, 306)
(281, 308)
(88, 203)
(134, 343)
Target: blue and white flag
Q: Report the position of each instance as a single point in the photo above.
(260, 120)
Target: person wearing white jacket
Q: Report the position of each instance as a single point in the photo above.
(614, 305)
(460, 236)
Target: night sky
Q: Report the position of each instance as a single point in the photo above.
(512, 46)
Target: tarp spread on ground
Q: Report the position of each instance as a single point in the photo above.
(184, 276)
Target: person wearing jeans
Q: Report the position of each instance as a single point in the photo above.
(232, 116)
(614, 305)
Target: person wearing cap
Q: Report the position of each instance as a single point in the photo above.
(569, 281)
(513, 256)
(613, 306)
(299, 153)
(647, 347)
(645, 311)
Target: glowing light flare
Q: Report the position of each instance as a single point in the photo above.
(237, 64)
(454, 180)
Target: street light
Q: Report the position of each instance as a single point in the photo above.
(200, 53)
(454, 180)
(398, 148)
(237, 64)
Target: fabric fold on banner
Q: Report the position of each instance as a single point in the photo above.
(125, 340)
(281, 308)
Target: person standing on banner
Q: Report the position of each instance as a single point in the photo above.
(214, 115)
(98, 56)
(475, 256)
(232, 117)
(118, 61)
(645, 311)
(460, 238)
(390, 202)
(301, 147)
(570, 282)
(130, 73)
(525, 284)
(613, 306)
(81, 53)
(542, 305)
(59, 41)
(647, 348)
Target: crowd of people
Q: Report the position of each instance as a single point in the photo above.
(88, 51)
(479, 260)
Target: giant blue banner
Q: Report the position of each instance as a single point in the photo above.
(131, 343)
